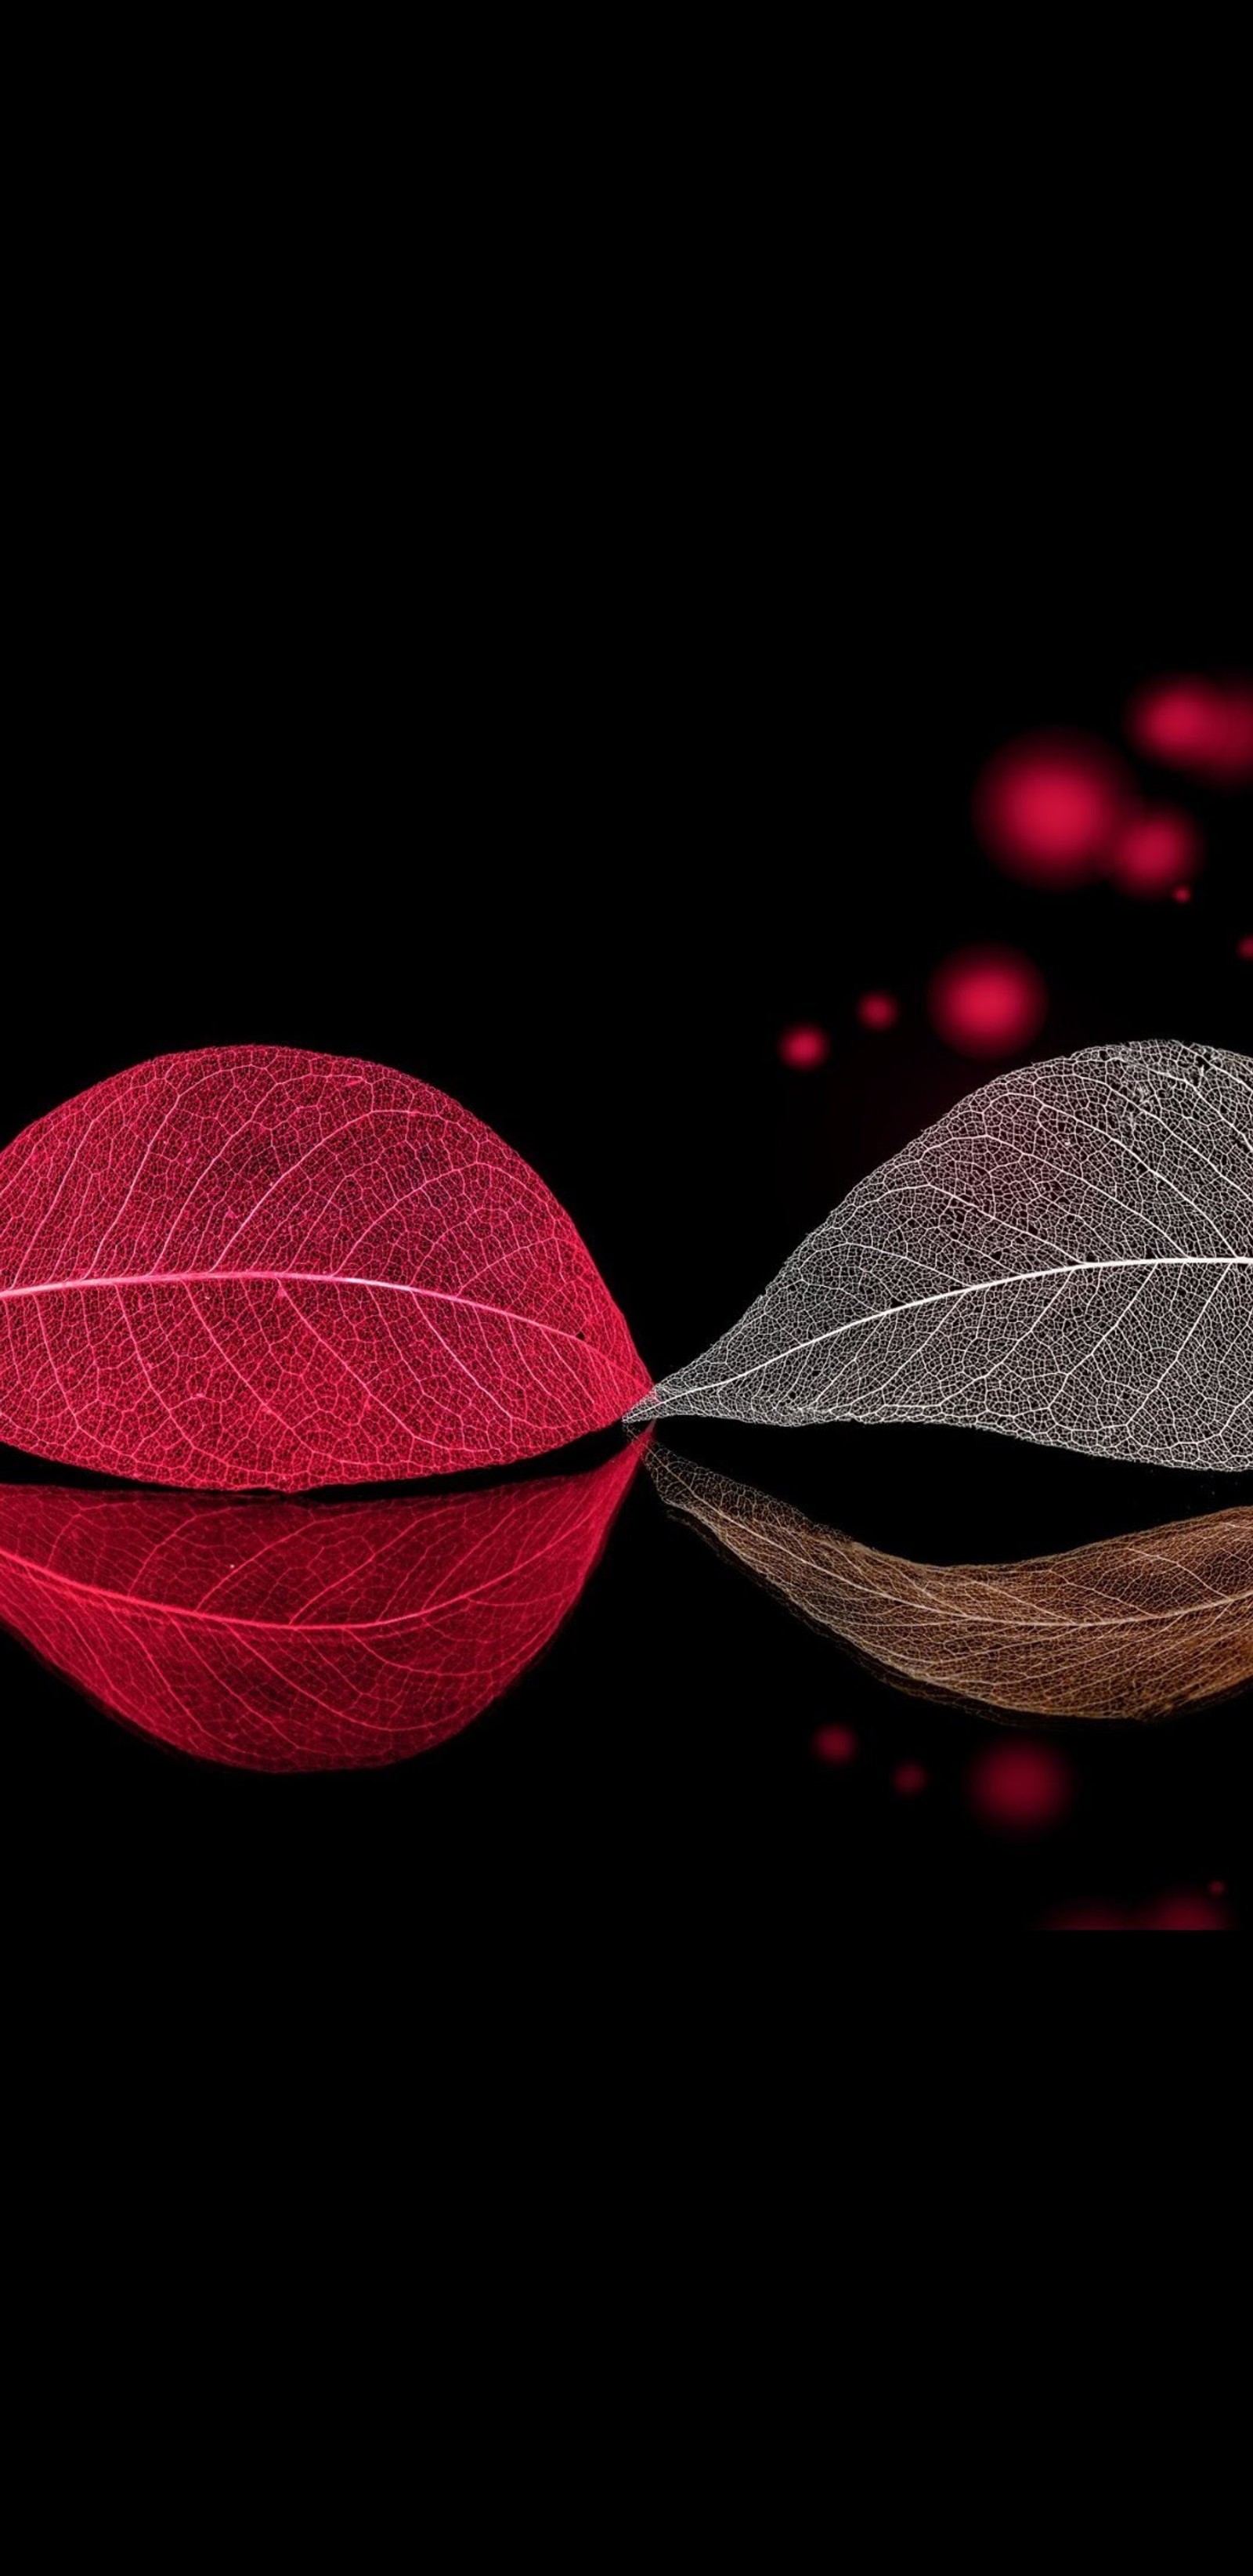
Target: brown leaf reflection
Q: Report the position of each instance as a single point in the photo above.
(1129, 1627)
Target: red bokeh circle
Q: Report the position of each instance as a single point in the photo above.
(878, 1010)
(1047, 807)
(803, 1047)
(987, 1001)
(1189, 721)
(835, 1744)
(1020, 1788)
(1156, 851)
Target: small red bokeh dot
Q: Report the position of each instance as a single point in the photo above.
(908, 1779)
(878, 1010)
(1046, 807)
(1245, 948)
(1021, 1788)
(835, 1744)
(987, 1001)
(1157, 852)
(1217, 1887)
(804, 1047)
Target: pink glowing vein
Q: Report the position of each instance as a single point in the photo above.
(283, 1279)
(129, 1603)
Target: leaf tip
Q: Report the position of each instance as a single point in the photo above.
(647, 1408)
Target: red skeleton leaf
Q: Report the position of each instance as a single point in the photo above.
(256, 1267)
(301, 1636)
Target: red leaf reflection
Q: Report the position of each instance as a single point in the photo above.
(285, 1636)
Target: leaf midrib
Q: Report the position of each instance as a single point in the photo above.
(1022, 1621)
(945, 1296)
(283, 1279)
(723, 1525)
(135, 1603)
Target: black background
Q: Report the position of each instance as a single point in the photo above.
(560, 748)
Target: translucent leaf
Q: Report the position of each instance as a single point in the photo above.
(301, 1636)
(1128, 1627)
(253, 1266)
(1067, 1256)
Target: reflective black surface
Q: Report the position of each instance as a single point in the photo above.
(577, 861)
